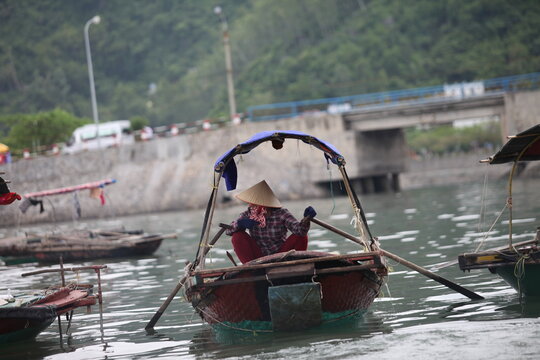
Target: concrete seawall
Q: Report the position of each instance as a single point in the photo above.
(177, 173)
(170, 173)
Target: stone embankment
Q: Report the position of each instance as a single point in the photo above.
(176, 173)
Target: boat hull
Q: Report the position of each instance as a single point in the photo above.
(520, 268)
(84, 248)
(246, 304)
(24, 323)
(76, 253)
(527, 284)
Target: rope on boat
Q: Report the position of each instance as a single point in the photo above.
(510, 180)
(482, 219)
(519, 271)
(491, 228)
(329, 168)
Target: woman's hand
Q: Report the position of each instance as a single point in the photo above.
(246, 223)
(310, 212)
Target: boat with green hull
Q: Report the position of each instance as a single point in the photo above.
(517, 263)
(525, 283)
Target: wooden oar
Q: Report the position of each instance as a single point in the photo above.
(410, 265)
(171, 296)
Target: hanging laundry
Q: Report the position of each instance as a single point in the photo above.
(98, 193)
(76, 204)
(27, 202)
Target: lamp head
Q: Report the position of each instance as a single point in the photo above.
(96, 19)
(217, 10)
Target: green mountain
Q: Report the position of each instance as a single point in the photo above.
(163, 60)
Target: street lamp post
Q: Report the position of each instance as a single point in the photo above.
(228, 61)
(95, 20)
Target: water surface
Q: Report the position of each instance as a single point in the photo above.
(414, 317)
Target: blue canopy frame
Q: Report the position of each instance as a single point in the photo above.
(226, 165)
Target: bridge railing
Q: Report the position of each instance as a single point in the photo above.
(344, 103)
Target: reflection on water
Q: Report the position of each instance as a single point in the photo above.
(414, 316)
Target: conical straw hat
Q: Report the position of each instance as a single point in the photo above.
(259, 194)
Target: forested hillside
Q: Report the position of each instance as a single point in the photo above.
(282, 50)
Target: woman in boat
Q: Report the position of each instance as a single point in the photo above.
(267, 222)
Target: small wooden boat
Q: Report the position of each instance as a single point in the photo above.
(81, 245)
(291, 290)
(287, 291)
(77, 245)
(24, 316)
(517, 263)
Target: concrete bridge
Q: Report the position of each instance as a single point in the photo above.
(411, 107)
(379, 129)
(437, 111)
(376, 121)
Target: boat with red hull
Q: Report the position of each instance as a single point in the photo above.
(290, 290)
(26, 315)
(252, 296)
(19, 323)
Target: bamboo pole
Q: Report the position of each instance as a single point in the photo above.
(410, 265)
(91, 267)
(181, 283)
(206, 234)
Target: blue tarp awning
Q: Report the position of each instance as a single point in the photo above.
(226, 165)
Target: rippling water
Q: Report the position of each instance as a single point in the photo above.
(414, 317)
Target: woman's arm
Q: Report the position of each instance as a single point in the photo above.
(296, 227)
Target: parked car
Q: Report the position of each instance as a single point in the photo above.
(112, 133)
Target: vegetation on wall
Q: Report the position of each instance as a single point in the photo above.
(447, 139)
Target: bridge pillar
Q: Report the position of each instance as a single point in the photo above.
(379, 158)
(522, 111)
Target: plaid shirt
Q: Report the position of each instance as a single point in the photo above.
(273, 235)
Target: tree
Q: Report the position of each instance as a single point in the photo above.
(138, 122)
(42, 129)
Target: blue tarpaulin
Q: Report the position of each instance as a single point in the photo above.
(227, 166)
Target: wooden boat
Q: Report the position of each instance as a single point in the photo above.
(284, 291)
(24, 316)
(81, 245)
(517, 263)
(77, 245)
(288, 290)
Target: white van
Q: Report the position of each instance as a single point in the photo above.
(112, 133)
